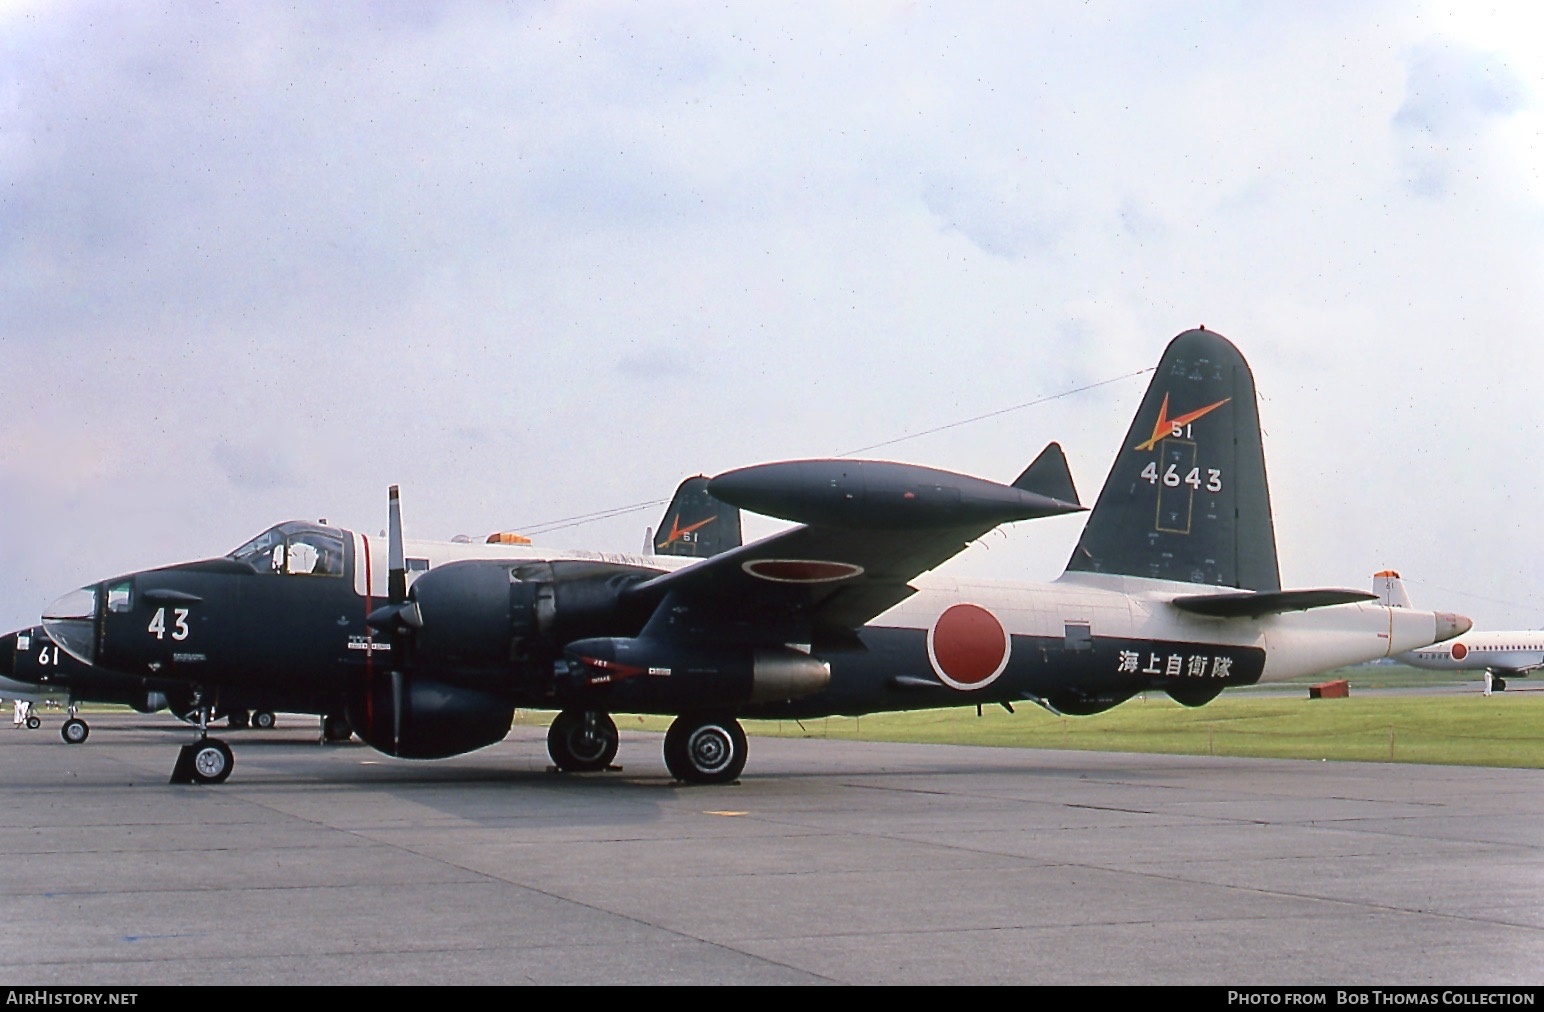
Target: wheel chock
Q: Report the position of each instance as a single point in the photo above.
(182, 772)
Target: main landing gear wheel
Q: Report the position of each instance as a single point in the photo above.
(33, 723)
(705, 749)
(263, 720)
(582, 741)
(74, 731)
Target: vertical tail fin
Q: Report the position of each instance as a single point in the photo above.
(1390, 590)
(1187, 499)
(696, 524)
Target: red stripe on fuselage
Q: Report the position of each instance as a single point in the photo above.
(369, 643)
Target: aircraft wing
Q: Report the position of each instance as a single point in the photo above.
(868, 528)
(823, 576)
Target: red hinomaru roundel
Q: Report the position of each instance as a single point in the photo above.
(1460, 651)
(968, 647)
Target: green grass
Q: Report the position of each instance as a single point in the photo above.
(1502, 730)
(1451, 729)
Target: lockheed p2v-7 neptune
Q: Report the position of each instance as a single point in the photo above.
(1173, 587)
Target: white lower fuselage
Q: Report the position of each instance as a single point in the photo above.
(1136, 610)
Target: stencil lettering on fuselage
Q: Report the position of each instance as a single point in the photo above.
(968, 647)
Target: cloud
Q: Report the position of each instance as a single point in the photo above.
(255, 468)
(260, 262)
(1453, 93)
(1005, 211)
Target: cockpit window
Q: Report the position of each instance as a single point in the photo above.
(259, 551)
(313, 553)
(118, 597)
(304, 552)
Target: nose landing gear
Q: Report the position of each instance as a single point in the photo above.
(206, 761)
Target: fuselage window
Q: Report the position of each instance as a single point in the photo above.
(1077, 636)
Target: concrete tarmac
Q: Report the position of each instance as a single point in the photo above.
(829, 863)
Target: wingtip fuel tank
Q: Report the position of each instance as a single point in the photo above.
(878, 494)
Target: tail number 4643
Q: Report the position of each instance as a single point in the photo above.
(179, 627)
(1171, 477)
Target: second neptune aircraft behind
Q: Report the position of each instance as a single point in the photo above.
(1173, 586)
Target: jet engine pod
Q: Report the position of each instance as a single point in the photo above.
(653, 675)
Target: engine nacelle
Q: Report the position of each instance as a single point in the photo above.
(425, 719)
(648, 675)
(476, 617)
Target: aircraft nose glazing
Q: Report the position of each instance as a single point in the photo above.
(1450, 625)
(71, 623)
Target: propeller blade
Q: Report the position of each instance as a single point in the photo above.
(396, 565)
(396, 713)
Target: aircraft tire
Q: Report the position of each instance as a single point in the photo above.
(263, 720)
(705, 749)
(336, 728)
(212, 762)
(1498, 684)
(74, 731)
(574, 749)
(33, 723)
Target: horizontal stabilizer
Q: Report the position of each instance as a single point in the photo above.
(1049, 476)
(1234, 605)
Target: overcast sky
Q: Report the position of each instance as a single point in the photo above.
(537, 260)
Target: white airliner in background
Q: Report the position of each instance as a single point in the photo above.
(1501, 655)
